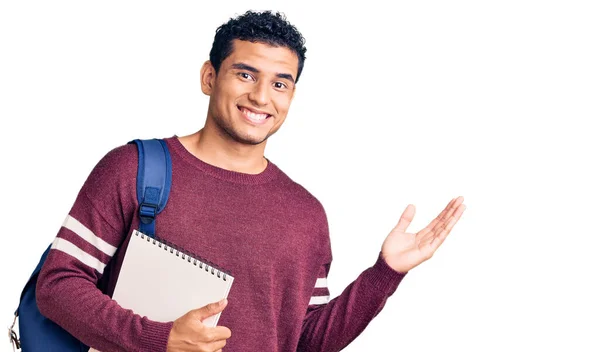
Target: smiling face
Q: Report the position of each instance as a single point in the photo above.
(251, 94)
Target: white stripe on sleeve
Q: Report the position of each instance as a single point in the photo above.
(74, 225)
(321, 283)
(67, 247)
(318, 300)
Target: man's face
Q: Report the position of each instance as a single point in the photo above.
(251, 95)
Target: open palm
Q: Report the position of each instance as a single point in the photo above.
(403, 251)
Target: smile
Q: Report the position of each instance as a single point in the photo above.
(254, 116)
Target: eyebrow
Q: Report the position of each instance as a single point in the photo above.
(243, 66)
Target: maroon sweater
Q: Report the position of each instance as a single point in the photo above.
(269, 232)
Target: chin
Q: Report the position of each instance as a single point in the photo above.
(248, 139)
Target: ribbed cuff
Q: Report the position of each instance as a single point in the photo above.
(384, 278)
(155, 336)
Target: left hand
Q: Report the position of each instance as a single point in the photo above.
(403, 251)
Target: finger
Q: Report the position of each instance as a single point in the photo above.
(406, 218)
(425, 233)
(210, 309)
(439, 236)
(457, 203)
(458, 214)
(434, 225)
(430, 243)
(216, 346)
(437, 241)
(440, 231)
(425, 240)
(441, 215)
(444, 216)
(455, 217)
(445, 231)
(221, 333)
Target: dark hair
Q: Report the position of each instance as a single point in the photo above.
(258, 27)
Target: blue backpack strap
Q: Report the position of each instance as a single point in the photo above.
(153, 181)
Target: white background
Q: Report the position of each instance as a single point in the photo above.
(415, 103)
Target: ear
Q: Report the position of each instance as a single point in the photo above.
(208, 76)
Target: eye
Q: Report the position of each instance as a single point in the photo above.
(246, 76)
(280, 85)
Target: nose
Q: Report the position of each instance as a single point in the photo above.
(259, 94)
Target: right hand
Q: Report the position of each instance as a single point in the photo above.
(189, 334)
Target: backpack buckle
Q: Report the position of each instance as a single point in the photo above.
(148, 212)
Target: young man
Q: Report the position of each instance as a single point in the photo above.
(238, 210)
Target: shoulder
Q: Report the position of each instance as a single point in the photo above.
(118, 162)
(308, 215)
(301, 195)
(115, 173)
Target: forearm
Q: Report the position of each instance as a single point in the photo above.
(332, 326)
(67, 296)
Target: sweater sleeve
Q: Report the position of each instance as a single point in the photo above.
(96, 225)
(330, 325)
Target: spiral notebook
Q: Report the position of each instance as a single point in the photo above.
(162, 283)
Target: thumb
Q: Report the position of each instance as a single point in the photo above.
(210, 309)
(406, 217)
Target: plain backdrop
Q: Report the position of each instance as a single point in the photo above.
(411, 102)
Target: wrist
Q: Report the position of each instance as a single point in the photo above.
(155, 335)
(384, 277)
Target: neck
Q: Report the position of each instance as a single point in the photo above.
(225, 154)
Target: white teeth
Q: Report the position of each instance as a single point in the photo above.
(255, 116)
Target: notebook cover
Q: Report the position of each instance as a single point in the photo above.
(163, 284)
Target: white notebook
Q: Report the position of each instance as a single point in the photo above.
(162, 283)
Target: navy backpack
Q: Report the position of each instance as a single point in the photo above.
(39, 333)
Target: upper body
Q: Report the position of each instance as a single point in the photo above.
(265, 229)
(245, 215)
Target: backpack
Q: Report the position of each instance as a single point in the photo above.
(39, 333)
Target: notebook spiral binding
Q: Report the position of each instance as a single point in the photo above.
(191, 258)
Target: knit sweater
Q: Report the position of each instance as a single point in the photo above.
(266, 230)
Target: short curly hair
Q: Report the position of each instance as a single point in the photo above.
(258, 27)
